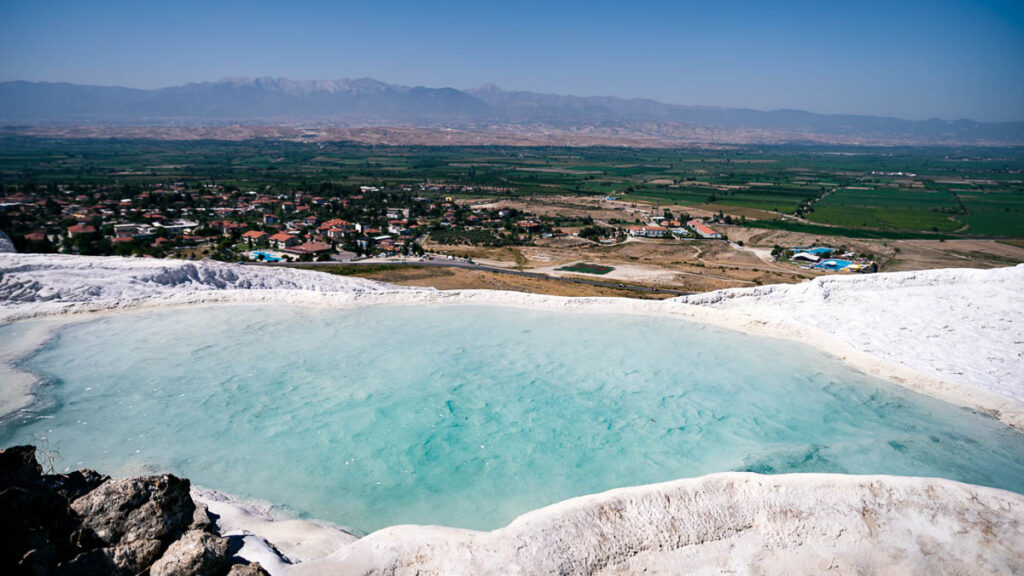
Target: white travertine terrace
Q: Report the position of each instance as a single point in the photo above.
(964, 326)
(956, 334)
(730, 523)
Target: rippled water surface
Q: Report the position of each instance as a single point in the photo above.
(469, 416)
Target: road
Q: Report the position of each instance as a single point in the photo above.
(458, 263)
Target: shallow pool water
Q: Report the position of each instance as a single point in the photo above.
(469, 416)
(266, 256)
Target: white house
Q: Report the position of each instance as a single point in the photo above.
(648, 231)
(702, 229)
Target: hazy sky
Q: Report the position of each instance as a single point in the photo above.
(913, 59)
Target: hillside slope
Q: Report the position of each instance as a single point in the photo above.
(367, 102)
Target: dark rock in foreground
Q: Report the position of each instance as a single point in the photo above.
(196, 552)
(125, 510)
(86, 523)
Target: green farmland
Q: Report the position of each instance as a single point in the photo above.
(880, 192)
(885, 218)
(889, 208)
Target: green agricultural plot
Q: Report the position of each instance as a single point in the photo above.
(994, 212)
(967, 192)
(779, 200)
(892, 197)
(888, 207)
(972, 209)
(878, 217)
(846, 232)
(585, 268)
(995, 221)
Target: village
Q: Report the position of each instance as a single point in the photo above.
(219, 222)
(228, 224)
(335, 223)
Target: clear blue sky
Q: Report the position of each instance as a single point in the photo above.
(913, 59)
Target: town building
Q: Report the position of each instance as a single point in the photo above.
(649, 231)
(258, 237)
(80, 229)
(282, 240)
(702, 229)
(311, 248)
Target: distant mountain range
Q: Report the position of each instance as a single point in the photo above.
(367, 102)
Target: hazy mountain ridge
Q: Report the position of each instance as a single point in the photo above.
(530, 105)
(236, 100)
(364, 101)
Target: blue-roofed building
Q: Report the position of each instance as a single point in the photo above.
(834, 265)
(819, 251)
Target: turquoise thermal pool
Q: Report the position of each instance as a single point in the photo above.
(469, 416)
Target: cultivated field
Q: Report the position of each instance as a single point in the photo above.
(905, 208)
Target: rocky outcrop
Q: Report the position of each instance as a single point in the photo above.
(197, 553)
(18, 466)
(37, 529)
(75, 484)
(126, 559)
(253, 569)
(86, 523)
(126, 510)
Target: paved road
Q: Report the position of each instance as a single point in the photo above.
(444, 262)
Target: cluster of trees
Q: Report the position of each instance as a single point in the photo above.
(728, 219)
(477, 237)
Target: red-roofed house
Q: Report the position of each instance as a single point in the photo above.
(80, 229)
(702, 229)
(227, 227)
(648, 231)
(257, 236)
(336, 223)
(282, 240)
(313, 248)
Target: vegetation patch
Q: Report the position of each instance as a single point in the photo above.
(885, 217)
(471, 237)
(358, 269)
(790, 226)
(584, 268)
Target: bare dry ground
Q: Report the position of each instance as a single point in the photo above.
(898, 255)
(924, 254)
(462, 279)
(693, 266)
(643, 134)
(702, 265)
